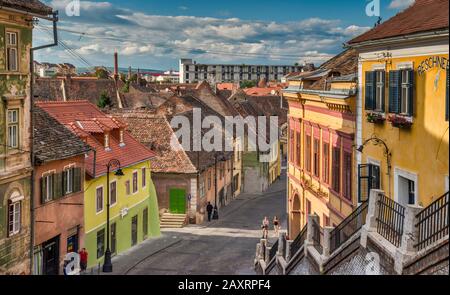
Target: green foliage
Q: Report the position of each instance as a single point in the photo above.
(126, 87)
(104, 101)
(101, 73)
(248, 84)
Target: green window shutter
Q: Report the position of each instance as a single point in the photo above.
(410, 74)
(43, 190)
(64, 183)
(77, 180)
(394, 91)
(57, 186)
(370, 90)
(383, 94)
(447, 104)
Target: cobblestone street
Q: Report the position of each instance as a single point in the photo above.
(222, 247)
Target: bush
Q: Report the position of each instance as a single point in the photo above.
(104, 101)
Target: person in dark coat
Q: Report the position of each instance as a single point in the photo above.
(209, 209)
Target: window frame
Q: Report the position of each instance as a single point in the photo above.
(347, 175)
(404, 93)
(103, 234)
(16, 221)
(111, 204)
(380, 86)
(15, 47)
(97, 211)
(316, 157)
(144, 177)
(326, 162)
(69, 172)
(135, 183)
(308, 150)
(336, 169)
(128, 187)
(15, 125)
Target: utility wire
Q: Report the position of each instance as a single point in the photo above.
(187, 49)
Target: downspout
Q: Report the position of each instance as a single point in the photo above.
(54, 19)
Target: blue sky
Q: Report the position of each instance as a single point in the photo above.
(155, 34)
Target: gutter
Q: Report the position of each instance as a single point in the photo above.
(54, 19)
(29, 13)
(393, 40)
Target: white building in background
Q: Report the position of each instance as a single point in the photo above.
(192, 72)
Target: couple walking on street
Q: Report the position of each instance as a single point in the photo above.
(265, 226)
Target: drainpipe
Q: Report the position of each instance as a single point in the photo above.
(54, 19)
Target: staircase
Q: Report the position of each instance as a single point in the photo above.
(170, 220)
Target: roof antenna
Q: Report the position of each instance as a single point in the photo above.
(378, 21)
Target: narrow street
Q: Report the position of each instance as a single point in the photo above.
(222, 247)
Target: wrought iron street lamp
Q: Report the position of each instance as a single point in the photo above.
(107, 264)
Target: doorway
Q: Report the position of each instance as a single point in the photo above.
(114, 238)
(406, 187)
(177, 201)
(51, 257)
(134, 231)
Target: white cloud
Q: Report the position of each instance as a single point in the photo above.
(400, 4)
(144, 38)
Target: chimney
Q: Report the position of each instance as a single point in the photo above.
(116, 66)
(107, 147)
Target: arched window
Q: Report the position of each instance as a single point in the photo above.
(15, 213)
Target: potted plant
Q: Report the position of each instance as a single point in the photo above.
(400, 121)
(375, 117)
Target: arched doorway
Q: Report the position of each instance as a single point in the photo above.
(295, 217)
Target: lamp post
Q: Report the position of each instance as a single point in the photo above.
(107, 264)
(378, 141)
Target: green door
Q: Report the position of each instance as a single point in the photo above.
(177, 201)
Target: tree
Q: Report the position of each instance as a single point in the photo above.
(296, 64)
(101, 73)
(248, 84)
(104, 101)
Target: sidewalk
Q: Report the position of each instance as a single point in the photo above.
(125, 261)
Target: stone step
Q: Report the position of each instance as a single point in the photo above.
(170, 220)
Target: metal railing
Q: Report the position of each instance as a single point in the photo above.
(273, 251)
(433, 222)
(347, 228)
(317, 236)
(298, 242)
(390, 220)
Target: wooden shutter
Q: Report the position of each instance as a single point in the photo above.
(57, 186)
(77, 180)
(43, 190)
(370, 90)
(411, 87)
(394, 91)
(383, 91)
(64, 183)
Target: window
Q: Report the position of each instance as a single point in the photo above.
(135, 182)
(347, 175)
(379, 98)
(113, 193)
(298, 150)
(326, 163)
(209, 180)
(12, 51)
(316, 157)
(47, 188)
(100, 243)
(401, 92)
(375, 90)
(144, 177)
(145, 223)
(68, 181)
(14, 218)
(368, 179)
(308, 153)
(292, 145)
(202, 189)
(308, 208)
(128, 187)
(99, 199)
(336, 172)
(326, 220)
(13, 128)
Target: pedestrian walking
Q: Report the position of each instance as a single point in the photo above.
(276, 225)
(265, 227)
(209, 209)
(83, 259)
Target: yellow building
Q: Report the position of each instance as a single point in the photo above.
(322, 115)
(403, 111)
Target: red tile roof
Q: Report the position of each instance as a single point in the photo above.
(85, 119)
(422, 16)
(262, 91)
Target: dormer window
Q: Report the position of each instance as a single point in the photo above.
(122, 137)
(107, 142)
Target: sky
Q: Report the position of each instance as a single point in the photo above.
(150, 34)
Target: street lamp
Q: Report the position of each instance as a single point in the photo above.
(378, 141)
(107, 265)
